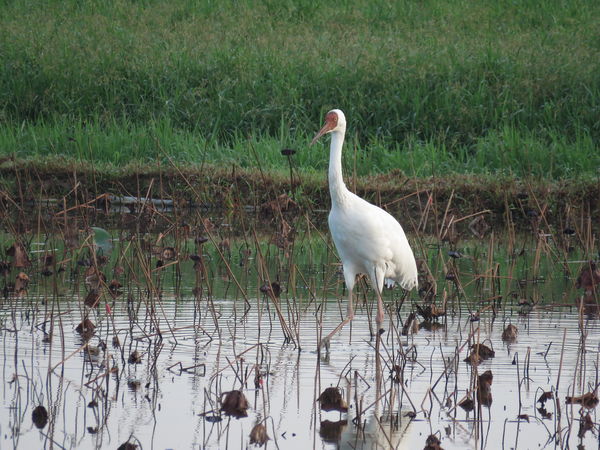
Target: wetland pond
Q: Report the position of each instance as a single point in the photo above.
(145, 338)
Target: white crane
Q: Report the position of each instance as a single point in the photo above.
(368, 239)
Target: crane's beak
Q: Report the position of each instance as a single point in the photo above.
(330, 124)
(321, 132)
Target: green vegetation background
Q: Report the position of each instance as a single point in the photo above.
(428, 86)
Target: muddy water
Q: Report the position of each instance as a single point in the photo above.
(211, 331)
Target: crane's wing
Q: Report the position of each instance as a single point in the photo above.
(366, 235)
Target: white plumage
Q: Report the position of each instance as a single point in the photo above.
(368, 239)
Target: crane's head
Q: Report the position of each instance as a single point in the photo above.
(334, 121)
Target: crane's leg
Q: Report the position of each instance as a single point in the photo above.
(350, 279)
(377, 279)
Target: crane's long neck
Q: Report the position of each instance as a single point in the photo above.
(337, 188)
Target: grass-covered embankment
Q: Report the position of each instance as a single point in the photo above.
(432, 87)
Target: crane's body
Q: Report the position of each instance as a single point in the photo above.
(381, 251)
(368, 239)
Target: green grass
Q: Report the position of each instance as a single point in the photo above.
(427, 86)
(506, 151)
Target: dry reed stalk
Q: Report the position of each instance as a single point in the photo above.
(441, 231)
(287, 331)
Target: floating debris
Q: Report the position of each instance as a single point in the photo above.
(431, 312)
(331, 400)
(547, 395)
(585, 425)
(427, 282)
(478, 353)
(545, 414)
(213, 419)
(127, 446)
(258, 435)
(134, 385)
(510, 333)
(432, 443)
(135, 358)
(484, 388)
(234, 404)
(274, 289)
(588, 400)
(21, 283)
(86, 327)
(17, 252)
(410, 324)
(92, 299)
(114, 288)
(467, 403)
(92, 352)
(40, 417)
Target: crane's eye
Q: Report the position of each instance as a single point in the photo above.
(331, 118)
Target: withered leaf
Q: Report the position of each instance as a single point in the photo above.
(331, 400)
(40, 417)
(20, 259)
(588, 400)
(234, 404)
(135, 357)
(258, 435)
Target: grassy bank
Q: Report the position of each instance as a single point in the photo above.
(505, 151)
(428, 87)
(503, 199)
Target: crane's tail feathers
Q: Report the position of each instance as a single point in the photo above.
(406, 284)
(409, 284)
(389, 283)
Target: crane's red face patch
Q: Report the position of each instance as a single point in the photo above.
(331, 121)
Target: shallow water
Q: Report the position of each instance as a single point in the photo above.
(164, 411)
(204, 329)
